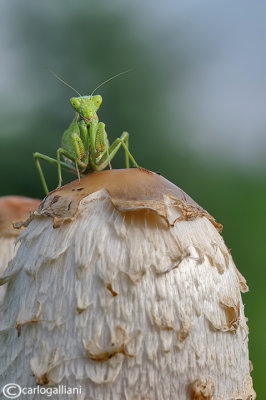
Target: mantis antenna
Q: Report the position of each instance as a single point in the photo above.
(65, 83)
(112, 77)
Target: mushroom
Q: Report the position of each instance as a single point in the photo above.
(12, 209)
(123, 288)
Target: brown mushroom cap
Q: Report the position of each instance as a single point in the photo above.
(129, 190)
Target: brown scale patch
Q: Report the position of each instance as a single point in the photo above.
(183, 333)
(110, 288)
(242, 281)
(167, 269)
(202, 389)
(190, 212)
(177, 260)
(33, 320)
(42, 373)
(224, 253)
(55, 200)
(250, 366)
(81, 309)
(82, 305)
(232, 313)
(220, 267)
(42, 379)
(162, 322)
(134, 276)
(118, 346)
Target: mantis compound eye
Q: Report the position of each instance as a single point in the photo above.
(74, 102)
(98, 100)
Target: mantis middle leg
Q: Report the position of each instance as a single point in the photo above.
(38, 156)
(79, 165)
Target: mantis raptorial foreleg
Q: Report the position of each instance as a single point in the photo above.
(38, 156)
(101, 141)
(110, 152)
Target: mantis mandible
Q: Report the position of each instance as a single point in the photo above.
(85, 146)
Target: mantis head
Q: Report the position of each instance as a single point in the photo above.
(86, 106)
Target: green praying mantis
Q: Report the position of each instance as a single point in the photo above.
(85, 146)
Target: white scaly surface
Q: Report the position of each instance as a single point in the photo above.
(127, 307)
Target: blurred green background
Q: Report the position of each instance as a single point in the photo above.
(194, 105)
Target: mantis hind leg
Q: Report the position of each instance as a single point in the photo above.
(38, 156)
(126, 152)
(124, 141)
